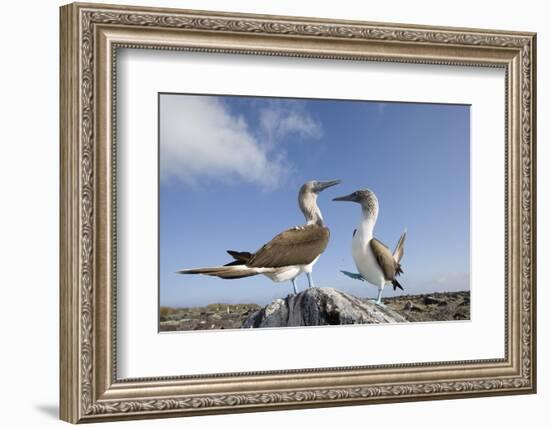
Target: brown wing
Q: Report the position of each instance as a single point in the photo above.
(385, 259)
(296, 246)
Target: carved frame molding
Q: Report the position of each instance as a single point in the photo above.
(90, 36)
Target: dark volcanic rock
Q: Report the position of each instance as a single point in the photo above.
(435, 307)
(453, 306)
(429, 300)
(213, 316)
(409, 306)
(320, 306)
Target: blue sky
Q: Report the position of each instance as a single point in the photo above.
(231, 168)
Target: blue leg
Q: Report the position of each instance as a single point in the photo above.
(379, 299)
(294, 285)
(355, 276)
(310, 280)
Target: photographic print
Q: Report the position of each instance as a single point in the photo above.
(278, 212)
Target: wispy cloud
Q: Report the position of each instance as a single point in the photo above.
(201, 138)
(277, 122)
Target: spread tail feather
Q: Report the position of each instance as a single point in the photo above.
(243, 257)
(224, 271)
(396, 285)
(400, 248)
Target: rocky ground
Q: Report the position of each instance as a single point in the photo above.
(213, 316)
(434, 307)
(414, 308)
(320, 307)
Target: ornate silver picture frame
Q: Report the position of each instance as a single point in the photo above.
(91, 37)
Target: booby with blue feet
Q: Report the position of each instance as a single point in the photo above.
(375, 263)
(289, 253)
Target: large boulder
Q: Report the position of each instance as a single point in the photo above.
(320, 306)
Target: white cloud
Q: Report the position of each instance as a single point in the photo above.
(277, 122)
(201, 138)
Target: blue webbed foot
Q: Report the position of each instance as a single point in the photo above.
(355, 276)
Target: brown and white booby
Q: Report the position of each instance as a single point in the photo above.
(289, 253)
(374, 260)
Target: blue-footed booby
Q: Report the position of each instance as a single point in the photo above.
(289, 253)
(374, 260)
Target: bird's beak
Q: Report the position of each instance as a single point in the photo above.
(349, 198)
(326, 184)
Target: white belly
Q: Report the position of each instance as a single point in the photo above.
(366, 262)
(284, 274)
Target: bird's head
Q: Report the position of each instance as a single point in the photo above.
(316, 187)
(307, 199)
(366, 198)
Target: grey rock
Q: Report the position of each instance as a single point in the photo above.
(320, 306)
